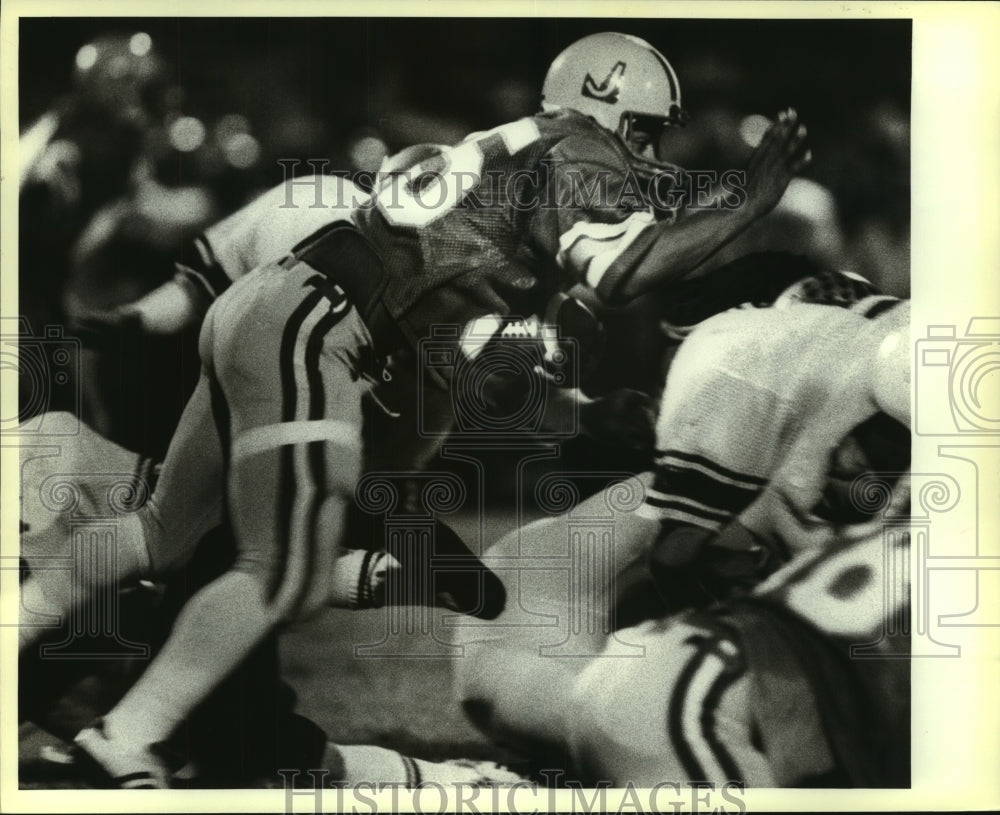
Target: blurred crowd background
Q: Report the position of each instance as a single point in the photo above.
(137, 133)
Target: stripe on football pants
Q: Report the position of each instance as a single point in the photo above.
(299, 355)
(730, 771)
(315, 453)
(691, 717)
(307, 312)
(676, 730)
(413, 775)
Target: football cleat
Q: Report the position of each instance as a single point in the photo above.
(116, 763)
(445, 573)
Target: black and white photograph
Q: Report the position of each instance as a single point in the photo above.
(526, 411)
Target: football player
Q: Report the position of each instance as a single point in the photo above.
(260, 232)
(802, 683)
(768, 417)
(79, 156)
(225, 252)
(489, 228)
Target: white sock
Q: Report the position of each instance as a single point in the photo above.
(371, 764)
(359, 578)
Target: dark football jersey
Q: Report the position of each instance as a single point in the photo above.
(498, 223)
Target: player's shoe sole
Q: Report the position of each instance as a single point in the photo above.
(451, 576)
(478, 773)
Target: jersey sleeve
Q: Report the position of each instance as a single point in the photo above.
(594, 219)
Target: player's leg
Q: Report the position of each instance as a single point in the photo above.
(291, 472)
(149, 541)
(679, 713)
(68, 471)
(188, 500)
(513, 680)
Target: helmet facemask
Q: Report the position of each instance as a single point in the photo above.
(643, 133)
(642, 136)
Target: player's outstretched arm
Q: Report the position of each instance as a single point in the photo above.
(170, 307)
(679, 248)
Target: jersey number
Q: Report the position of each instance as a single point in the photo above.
(854, 591)
(403, 205)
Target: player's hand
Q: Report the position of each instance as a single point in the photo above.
(170, 308)
(781, 155)
(624, 418)
(58, 169)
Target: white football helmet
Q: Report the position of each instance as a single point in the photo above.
(828, 287)
(621, 81)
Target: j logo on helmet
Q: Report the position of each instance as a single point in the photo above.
(609, 89)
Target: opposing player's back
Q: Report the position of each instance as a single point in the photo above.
(740, 391)
(267, 228)
(749, 359)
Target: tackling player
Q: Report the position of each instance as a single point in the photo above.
(261, 232)
(757, 688)
(291, 351)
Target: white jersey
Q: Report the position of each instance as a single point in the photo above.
(752, 390)
(265, 230)
(755, 401)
